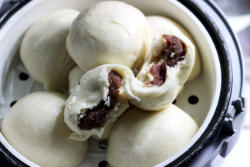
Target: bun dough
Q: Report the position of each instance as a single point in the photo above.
(144, 139)
(74, 77)
(43, 50)
(154, 97)
(109, 32)
(34, 126)
(92, 91)
(159, 23)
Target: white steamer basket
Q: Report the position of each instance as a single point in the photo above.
(14, 85)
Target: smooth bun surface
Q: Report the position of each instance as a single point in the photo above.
(109, 32)
(144, 139)
(34, 126)
(43, 50)
(74, 77)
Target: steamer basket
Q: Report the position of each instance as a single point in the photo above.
(214, 99)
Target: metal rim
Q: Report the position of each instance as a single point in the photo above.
(12, 10)
(227, 82)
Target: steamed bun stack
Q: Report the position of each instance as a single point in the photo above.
(172, 61)
(105, 33)
(117, 65)
(146, 90)
(144, 139)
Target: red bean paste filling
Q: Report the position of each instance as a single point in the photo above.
(97, 116)
(174, 52)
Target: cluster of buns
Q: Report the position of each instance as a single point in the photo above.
(122, 72)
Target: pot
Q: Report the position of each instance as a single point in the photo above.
(214, 99)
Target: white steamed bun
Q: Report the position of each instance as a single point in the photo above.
(109, 32)
(95, 104)
(167, 69)
(43, 50)
(159, 23)
(35, 127)
(144, 139)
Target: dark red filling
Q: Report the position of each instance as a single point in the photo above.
(159, 71)
(96, 117)
(174, 52)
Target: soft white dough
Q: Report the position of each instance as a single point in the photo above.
(93, 88)
(109, 32)
(35, 127)
(154, 97)
(43, 50)
(144, 139)
(106, 132)
(74, 77)
(159, 23)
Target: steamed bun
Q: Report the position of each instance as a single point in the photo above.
(144, 139)
(165, 72)
(109, 32)
(34, 126)
(95, 104)
(159, 23)
(43, 50)
(74, 77)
